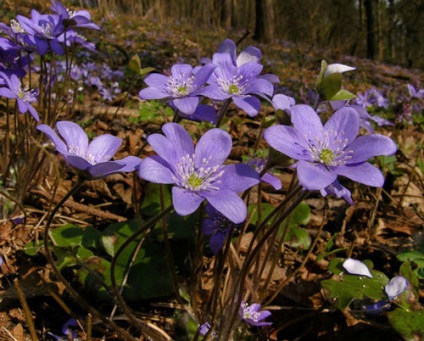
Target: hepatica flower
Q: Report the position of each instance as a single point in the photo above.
(198, 173)
(23, 95)
(217, 227)
(92, 160)
(182, 87)
(240, 83)
(253, 315)
(325, 152)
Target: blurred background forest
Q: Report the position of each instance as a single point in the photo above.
(388, 31)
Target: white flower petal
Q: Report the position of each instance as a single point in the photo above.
(396, 286)
(337, 68)
(356, 267)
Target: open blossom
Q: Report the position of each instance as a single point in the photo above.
(240, 83)
(42, 31)
(182, 87)
(325, 152)
(198, 173)
(23, 95)
(79, 18)
(253, 315)
(92, 160)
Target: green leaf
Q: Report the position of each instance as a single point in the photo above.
(410, 324)
(342, 95)
(351, 287)
(67, 235)
(32, 248)
(298, 238)
(321, 73)
(330, 86)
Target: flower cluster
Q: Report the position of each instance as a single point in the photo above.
(227, 76)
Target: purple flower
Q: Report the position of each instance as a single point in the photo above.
(239, 83)
(396, 286)
(198, 173)
(253, 315)
(204, 329)
(258, 164)
(217, 227)
(339, 191)
(91, 160)
(414, 93)
(325, 152)
(182, 87)
(23, 96)
(73, 18)
(43, 31)
(356, 267)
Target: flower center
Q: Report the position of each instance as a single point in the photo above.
(16, 26)
(47, 29)
(233, 86)
(249, 314)
(180, 86)
(326, 156)
(197, 179)
(92, 159)
(330, 150)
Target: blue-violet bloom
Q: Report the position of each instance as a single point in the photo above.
(239, 83)
(92, 160)
(253, 315)
(198, 173)
(258, 164)
(217, 227)
(182, 87)
(325, 152)
(23, 96)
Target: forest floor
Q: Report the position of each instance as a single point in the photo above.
(381, 225)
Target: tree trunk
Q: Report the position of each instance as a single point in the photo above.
(264, 21)
(370, 28)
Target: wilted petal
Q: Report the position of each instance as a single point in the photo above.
(337, 68)
(356, 267)
(396, 286)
